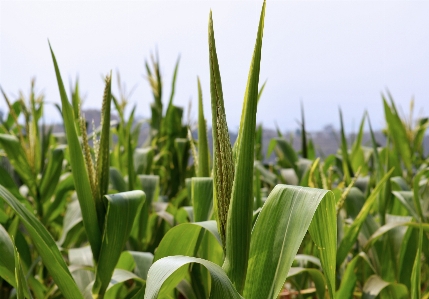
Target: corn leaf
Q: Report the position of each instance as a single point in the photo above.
(398, 134)
(349, 279)
(7, 265)
(46, 247)
(240, 215)
(17, 157)
(121, 211)
(277, 235)
(375, 285)
(80, 174)
(202, 198)
(166, 268)
(184, 239)
(22, 290)
(351, 235)
(416, 276)
(52, 174)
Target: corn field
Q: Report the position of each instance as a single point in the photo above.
(92, 213)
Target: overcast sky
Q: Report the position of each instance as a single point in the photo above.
(327, 54)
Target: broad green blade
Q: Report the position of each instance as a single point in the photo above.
(203, 144)
(202, 198)
(223, 166)
(80, 174)
(82, 266)
(316, 276)
(375, 285)
(416, 288)
(165, 269)
(150, 186)
(72, 217)
(46, 247)
(323, 231)
(351, 235)
(117, 181)
(143, 261)
(143, 158)
(240, 215)
(184, 239)
(278, 233)
(7, 265)
(121, 211)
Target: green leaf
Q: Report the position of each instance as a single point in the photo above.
(17, 157)
(351, 235)
(117, 181)
(347, 167)
(416, 289)
(202, 198)
(22, 290)
(240, 214)
(398, 134)
(165, 269)
(185, 238)
(46, 247)
(7, 265)
(278, 233)
(349, 279)
(121, 211)
(80, 174)
(52, 174)
(375, 284)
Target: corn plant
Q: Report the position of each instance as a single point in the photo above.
(256, 261)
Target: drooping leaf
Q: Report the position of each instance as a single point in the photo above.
(277, 235)
(121, 211)
(165, 269)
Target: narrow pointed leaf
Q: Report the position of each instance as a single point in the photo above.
(46, 247)
(203, 145)
(80, 174)
(240, 213)
(7, 266)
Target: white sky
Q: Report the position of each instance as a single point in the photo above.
(328, 54)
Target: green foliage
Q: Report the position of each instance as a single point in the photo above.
(97, 215)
